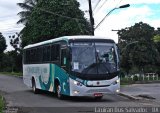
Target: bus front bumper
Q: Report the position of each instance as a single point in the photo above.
(82, 90)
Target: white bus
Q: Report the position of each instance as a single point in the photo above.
(73, 66)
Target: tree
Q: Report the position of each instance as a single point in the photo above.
(11, 62)
(2, 43)
(157, 38)
(157, 35)
(16, 54)
(27, 6)
(157, 42)
(15, 42)
(137, 41)
(126, 64)
(54, 18)
(2, 47)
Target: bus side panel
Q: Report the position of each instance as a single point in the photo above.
(44, 81)
(41, 74)
(63, 78)
(52, 78)
(26, 76)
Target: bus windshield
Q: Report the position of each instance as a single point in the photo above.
(93, 58)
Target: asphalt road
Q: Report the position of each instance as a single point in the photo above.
(145, 90)
(18, 96)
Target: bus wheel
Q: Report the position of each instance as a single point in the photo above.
(98, 97)
(58, 91)
(34, 89)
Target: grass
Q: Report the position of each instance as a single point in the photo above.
(12, 73)
(1, 104)
(125, 81)
(128, 81)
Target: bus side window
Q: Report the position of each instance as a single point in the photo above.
(31, 56)
(34, 55)
(46, 53)
(63, 57)
(43, 54)
(52, 53)
(39, 55)
(24, 56)
(55, 52)
(27, 56)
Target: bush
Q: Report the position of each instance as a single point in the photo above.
(1, 104)
(135, 78)
(122, 75)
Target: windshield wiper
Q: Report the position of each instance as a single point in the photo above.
(85, 70)
(105, 67)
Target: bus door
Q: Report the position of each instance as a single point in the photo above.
(65, 74)
(64, 61)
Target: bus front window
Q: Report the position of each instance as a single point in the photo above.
(83, 55)
(93, 58)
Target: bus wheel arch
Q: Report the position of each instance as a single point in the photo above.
(58, 89)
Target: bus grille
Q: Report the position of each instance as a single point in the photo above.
(97, 90)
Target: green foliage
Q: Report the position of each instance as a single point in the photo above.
(1, 104)
(11, 62)
(53, 18)
(2, 48)
(2, 43)
(27, 6)
(18, 74)
(137, 47)
(157, 38)
(135, 80)
(15, 42)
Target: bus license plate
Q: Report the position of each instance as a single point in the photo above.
(98, 94)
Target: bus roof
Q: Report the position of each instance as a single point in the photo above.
(66, 38)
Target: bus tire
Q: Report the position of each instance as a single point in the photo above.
(34, 89)
(58, 91)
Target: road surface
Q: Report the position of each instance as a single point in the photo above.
(18, 96)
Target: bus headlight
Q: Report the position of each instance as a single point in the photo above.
(115, 82)
(117, 90)
(76, 92)
(77, 83)
(118, 81)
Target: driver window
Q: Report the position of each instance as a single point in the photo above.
(106, 56)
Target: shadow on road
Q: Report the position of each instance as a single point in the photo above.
(106, 98)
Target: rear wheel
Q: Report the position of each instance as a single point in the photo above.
(34, 89)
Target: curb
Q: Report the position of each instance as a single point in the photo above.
(128, 96)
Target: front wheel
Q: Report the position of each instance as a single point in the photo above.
(58, 91)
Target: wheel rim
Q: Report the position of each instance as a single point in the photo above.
(34, 87)
(59, 91)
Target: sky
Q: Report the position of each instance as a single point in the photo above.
(147, 11)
